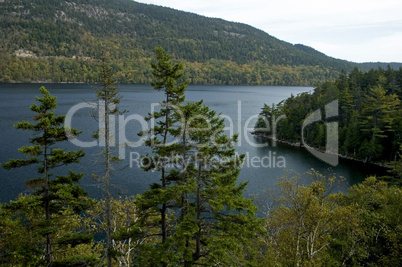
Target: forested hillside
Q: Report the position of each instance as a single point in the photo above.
(57, 41)
(370, 115)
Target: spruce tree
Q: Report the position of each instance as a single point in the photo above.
(155, 202)
(379, 112)
(225, 219)
(57, 195)
(200, 210)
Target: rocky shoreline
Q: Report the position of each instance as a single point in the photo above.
(300, 145)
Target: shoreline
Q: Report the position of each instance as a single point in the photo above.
(300, 145)
(147, 83)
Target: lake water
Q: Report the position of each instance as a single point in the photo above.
(236, 103)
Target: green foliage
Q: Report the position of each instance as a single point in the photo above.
(369, 115)
(22, 242)
(166, 76)
(198, 209)
(123, 212)
(47, 41)
(313, 227)
(224, 220)
(375, 238)
(56, 199)
(19, 239)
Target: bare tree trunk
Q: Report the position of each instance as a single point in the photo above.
(163, 179)
(297, 256)
(47, 208)
(164, 205)
(198, 234)
(107, 185)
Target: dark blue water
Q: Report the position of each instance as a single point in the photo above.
(236, 103)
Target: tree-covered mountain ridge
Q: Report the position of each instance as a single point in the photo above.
(57, 41)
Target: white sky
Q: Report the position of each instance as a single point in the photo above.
(355, 30)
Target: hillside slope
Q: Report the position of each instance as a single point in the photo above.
(57, 41)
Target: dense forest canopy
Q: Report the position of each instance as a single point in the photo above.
(369, 118)
(56, 41)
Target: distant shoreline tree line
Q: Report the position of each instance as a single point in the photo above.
(197, 214)
(16, 69)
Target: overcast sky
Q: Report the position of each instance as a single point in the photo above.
(355, 30)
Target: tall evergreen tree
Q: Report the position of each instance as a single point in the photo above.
(378, 114)
(225, 219)
(198, 207)
(166, 76)
(154, 203)
(57, 195)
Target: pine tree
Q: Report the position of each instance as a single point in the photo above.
(379, 112)
(153, 205)
(198, 206)
(166, 76)
(57, 195)
(225, 220)
(262, 125)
